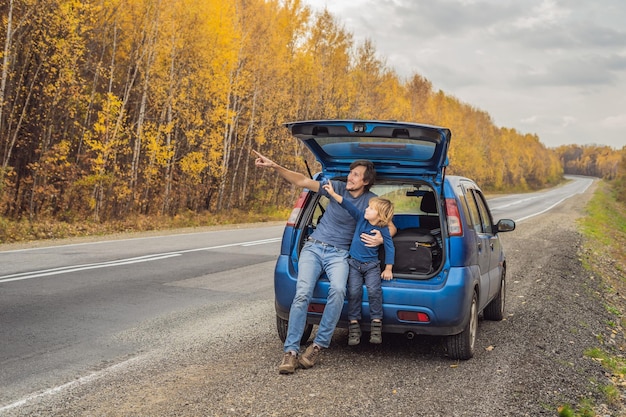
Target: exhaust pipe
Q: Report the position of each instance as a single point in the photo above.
(409, 335)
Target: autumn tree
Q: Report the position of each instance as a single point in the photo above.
(592, 160)
(117, 108)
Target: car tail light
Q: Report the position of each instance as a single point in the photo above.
(413, 316)
(297, 208)
(316, 308)
(455, 227)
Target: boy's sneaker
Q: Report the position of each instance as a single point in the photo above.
(376, 332)
(354, 334)
(289, 363)
(310, 356)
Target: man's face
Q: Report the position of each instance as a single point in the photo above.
(355, 179)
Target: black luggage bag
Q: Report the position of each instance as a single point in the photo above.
(417, 251)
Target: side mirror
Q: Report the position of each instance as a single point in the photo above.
(505, 225)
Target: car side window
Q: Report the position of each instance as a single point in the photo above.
(320, 208)
(474, 214)
(485, 216)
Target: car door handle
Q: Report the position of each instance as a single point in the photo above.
(480, 245)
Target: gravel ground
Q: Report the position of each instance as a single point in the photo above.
(222, 360)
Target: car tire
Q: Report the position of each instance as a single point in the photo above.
(495, 309)
(282, 325)
(461, 346)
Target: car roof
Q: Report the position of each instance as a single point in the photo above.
(397, 149)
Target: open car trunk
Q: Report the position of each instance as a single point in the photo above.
(418, 218)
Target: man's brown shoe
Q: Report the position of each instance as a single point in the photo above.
(310, 356)
(289, 363)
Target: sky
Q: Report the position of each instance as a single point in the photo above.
(554, 68)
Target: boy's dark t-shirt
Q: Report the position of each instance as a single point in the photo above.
(358, 250)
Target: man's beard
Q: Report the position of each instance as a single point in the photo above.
(353, 187)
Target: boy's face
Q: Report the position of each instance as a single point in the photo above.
(355, 180)
(371, 215)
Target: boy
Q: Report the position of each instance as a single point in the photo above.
(365, 265)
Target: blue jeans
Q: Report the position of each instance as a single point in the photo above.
(368, 272)
(314, 259)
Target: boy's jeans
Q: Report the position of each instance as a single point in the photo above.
(368, 273)
(314, 259)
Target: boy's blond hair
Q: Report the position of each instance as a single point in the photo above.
(384, 208)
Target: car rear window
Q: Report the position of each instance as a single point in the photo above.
(372, 148)
(406, 198)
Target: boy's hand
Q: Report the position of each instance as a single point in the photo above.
(387, 275)
(328, 186)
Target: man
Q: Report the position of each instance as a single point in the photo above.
(326, 250)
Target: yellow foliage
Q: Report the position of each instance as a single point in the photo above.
(192, 165)
(154, 106)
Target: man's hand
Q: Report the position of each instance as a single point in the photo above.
(263, 161)
(293, 177)
(372, 241)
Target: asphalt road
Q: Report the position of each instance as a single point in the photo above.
(63, 307)
(521, 207)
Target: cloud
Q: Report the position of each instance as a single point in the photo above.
(531, 120)
(567, 121)
(614, 122)
(545, 13)
(556, 66)
(576, 71)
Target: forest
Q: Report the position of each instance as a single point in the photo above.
(115, 108)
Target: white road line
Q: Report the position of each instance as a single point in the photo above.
(147, 258)
(69, 385)
(496, 208)
(542, 211)
(262, 242)
(75, 268)
(515, 202)
(101, 242)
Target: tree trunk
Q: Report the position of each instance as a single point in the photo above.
(3, 83)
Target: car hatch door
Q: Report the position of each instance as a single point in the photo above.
(397, 149)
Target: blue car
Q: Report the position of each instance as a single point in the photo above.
(449, 264)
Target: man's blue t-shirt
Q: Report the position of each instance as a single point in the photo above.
(358, 250)
(337, 225)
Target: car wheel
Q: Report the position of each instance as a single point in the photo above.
(282, 325)
(461, 346)
(495, 309)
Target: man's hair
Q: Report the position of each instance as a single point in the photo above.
(384, 208)
(369, 176)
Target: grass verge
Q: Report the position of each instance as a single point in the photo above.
(42, 229)
(604, 254)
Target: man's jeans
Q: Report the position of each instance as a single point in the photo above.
(314, 259)
(368, 273)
